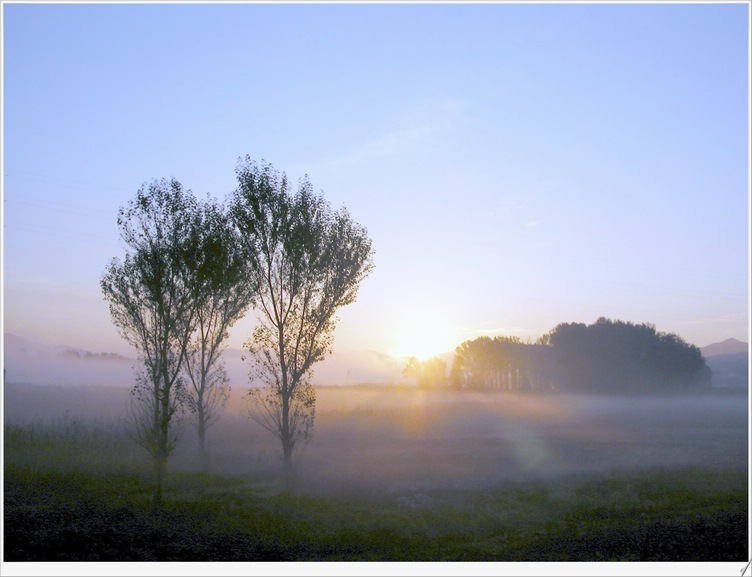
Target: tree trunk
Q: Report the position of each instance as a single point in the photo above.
(201, 428)
(287, 441)
(159, 466)
(163, 435)
(287, 450)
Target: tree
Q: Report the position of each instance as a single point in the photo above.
(222, 269)
(307, 262)
(491, 363)
(429, 373)
(607, 356)
(151, 295)
(618, 356)
(414, 369)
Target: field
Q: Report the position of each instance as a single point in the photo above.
(391, 474)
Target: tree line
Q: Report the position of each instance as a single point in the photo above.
(608, 356)
(193, 267)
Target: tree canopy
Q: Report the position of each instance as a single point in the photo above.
(611, 355)
(152, 299)
(307, 261)
(606, 356)
(226, 292)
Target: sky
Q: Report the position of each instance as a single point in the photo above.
(516, 166)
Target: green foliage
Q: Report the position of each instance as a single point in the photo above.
(607, 356)
(308, 261)
(224, 274)
(152, 295)
(183, 282)
(500, 363)
(620, 356)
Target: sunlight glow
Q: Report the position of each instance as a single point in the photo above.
(423, 337)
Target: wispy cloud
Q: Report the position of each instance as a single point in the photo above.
(412, 134)
(731, 318)
(471, 332)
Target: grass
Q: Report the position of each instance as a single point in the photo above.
(81, 517)
(77, 490)
(684, 515)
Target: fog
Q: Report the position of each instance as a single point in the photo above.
(427, 441)
(381, 440)
(28, 361)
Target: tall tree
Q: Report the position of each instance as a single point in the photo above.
(151, 295)
(307, 261)
(225, 294)
(501, 363)
(428, 373)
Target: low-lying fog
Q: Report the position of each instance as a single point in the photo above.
(386, 439)
(27, 361)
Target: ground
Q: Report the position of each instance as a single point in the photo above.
(391, 474)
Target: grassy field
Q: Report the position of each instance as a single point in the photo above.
(391, 475)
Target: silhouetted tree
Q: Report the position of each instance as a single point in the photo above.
(456, 378)
(473, 364)
(307, 262)
(151, 295)
(499, 363)
(414, 369)
(607, 356)
(618, 356)
(429, 373)
(541, 368)
(225, 295)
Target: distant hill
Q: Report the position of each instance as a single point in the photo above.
(727, 347)
(730, 370)
(729, 361)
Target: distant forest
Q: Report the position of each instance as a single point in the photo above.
(607, 356)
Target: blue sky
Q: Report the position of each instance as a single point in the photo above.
(516, 166)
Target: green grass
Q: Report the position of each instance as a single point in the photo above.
(76, 491)
(79, 516)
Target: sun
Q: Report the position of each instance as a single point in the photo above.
(422, 337)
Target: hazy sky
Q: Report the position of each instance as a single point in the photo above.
(516, 166)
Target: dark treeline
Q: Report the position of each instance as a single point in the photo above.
(607, 356)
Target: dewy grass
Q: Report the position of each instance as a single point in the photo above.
(77, 490)
(67, 515)
(68, 442)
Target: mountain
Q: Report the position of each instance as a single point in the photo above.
(727, 347)
(729, 361)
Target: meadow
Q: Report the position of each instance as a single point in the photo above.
(391, 474)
